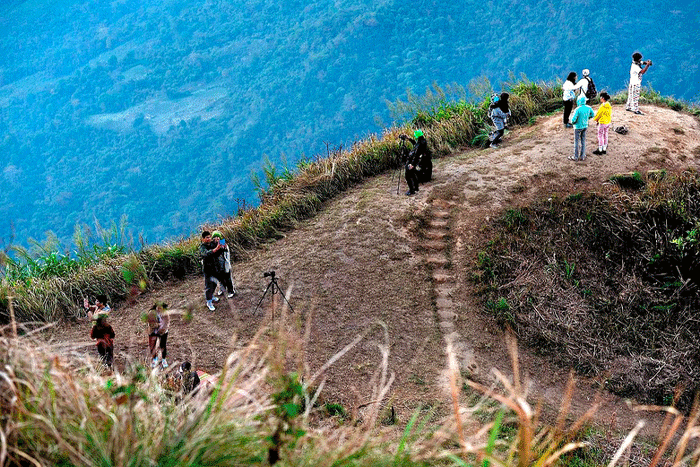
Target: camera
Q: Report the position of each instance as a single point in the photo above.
(269, 274)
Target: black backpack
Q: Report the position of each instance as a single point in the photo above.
(591, 92)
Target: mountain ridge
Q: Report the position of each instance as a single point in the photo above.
(373, 256)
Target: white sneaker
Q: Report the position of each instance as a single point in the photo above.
(164, 364)
(154, 363)
(231, 295)
(220, 292)
(210, 305)
(215, 299)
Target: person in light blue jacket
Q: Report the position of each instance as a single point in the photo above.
(580, 121)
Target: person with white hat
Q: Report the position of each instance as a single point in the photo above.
(585, 83)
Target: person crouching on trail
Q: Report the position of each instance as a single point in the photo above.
(158, 321)
(419, 166)
(212, 252)
(103, 333)
(499, 113)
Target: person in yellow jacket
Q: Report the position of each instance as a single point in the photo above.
(603, 118)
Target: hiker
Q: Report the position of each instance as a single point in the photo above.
(419, 165)
(100, 307)
(499, 113)
(603, 118)
(158, 320)
(580, 122)
(212, 252)
(103, 333)
(569, 87)
(228, 285)
(635, 86)
(189, 379)
(586, 85)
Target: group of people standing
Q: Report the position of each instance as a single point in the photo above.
(584, 89)
(216, 265)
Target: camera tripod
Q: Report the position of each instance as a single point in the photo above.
(401, 168)
(273, 287)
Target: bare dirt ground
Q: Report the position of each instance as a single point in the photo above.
(372, 256)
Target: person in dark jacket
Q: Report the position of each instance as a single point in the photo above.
(190, 378)
(103, 333)
(211, 251)
(419, 165)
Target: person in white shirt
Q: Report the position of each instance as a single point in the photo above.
(583, 83)
(635, 86)
(569, 87)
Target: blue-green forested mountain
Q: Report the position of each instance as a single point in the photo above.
(160, 109)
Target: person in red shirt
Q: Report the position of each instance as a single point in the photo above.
(103, 333)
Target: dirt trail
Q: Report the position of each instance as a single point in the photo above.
(372, 256)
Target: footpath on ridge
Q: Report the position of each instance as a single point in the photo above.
(379, 263)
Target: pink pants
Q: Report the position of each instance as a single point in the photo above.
(603, 134)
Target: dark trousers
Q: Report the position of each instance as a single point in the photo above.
(210, 285)
(412, 179)
(498, 136)
(106, 354)
(426, 170)
(568, 106)
(163, 342)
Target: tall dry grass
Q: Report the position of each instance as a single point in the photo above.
(60, 408)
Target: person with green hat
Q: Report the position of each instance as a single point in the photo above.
(419, 164)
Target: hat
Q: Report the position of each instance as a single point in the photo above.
(418, 133)
(586, 72)
(216, 233)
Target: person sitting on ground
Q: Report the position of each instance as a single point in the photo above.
(419, 165)
(499, 113)
(158, 320)
(189, 378)
(100, 307)
(211, 251)
(103, 333)
(603, 118)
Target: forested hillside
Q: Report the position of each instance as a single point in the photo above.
(160, 109)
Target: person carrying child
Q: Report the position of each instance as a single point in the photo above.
(603, 118)
(499, 113)
(103, 333)
(158, 321)
(580, 121)
(100, 307)
(212, 253)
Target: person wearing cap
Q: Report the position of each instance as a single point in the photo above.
(499, 112)
(419, 164)
(103, 333)
(211, 252)
(158, 320)
(583, 83)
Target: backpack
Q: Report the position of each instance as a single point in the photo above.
(591, 92)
